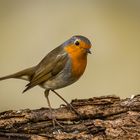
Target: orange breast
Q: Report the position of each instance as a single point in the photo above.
(79, 61)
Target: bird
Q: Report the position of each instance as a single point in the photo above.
(61, 67)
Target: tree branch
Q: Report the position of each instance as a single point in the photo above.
(106, 117)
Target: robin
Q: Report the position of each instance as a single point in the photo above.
(61, 67)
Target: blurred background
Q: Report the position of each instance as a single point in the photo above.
(30, 29)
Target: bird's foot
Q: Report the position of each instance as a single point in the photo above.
(56, 122)
(72, 109)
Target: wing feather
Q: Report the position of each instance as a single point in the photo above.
(49, 67)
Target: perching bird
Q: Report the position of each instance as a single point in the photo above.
(61, 67)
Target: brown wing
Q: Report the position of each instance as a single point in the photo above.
(50, 66)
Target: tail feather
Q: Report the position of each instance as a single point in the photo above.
(24, 74)
(5, 77)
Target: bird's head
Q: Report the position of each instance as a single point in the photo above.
(79, 44)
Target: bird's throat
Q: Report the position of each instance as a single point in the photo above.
(78, 60)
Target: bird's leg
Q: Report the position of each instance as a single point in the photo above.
(70, 105)
(54, 121)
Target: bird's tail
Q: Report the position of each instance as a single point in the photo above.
(24, 74)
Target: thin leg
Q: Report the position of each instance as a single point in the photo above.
(50, 108)
(67, 103)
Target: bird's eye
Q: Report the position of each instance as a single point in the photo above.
(77, 42)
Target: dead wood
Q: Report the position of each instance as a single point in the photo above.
(103, 118)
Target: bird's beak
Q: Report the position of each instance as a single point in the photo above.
(88, 51)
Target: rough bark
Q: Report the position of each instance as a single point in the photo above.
(103, 118)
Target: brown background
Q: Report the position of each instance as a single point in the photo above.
(30, 29)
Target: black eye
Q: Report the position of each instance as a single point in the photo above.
(76, 42)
